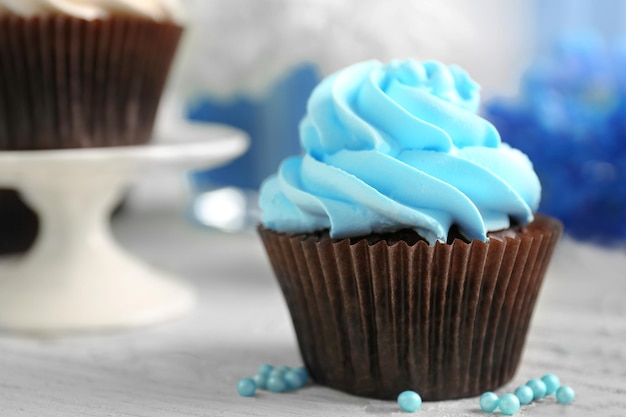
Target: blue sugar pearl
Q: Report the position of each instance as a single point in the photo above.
(409, 401)
(552, 383)
(276, 372)
(265, 369)
(509, 404)
(246, 387)
(524, 394)
(294, 379)
(260, 381)
(538, 387)
(489, 402)
(565, 395)
(276, 384)
(304, 372)
(283, 368)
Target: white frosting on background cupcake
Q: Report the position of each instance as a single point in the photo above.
(158, 10)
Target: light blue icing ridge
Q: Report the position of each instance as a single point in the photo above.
(397, 146)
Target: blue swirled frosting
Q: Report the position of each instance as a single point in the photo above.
(399, 146)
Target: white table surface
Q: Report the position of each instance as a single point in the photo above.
(190, 367)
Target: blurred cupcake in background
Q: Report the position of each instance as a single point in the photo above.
(77, 74)
(570, 118)
(83, 74)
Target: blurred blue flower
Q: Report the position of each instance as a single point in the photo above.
(570, 118)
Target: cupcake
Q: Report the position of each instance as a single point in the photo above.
(78, 74)
(405, 238)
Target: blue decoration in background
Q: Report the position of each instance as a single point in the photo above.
(271, 121)
(555, 17)
(570, 118)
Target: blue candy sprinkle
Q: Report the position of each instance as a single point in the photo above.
(524, 394)
(552, 383)
(277, 373)
(283, 368)
(409, 401)
(304, 372)
(565, 395)
(260, 380)
(538, 387)
(509, 404)
(276, 384)
(246, 387)
(489, 402)
(265, 369)
(294, 379)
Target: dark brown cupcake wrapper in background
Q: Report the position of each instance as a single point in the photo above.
(447, 320)
(70, 83)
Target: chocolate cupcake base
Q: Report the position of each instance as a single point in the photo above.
(67, 82)
(445, 320)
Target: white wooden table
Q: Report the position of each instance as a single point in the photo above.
(191, 367)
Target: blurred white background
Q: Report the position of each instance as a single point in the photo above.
(244, 45)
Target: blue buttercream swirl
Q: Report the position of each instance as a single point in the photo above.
(397, 146)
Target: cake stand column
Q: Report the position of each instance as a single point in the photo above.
(76, 277)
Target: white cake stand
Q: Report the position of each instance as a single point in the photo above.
(76, 277)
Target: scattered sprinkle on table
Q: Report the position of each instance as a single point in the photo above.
(409, 401)
(275, 379)
(538, 387)
(489, 402)
(509, 404)
(524, 394)
(565, 395)
(552, 383)
(246, 387)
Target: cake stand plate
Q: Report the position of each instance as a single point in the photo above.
(76, 277)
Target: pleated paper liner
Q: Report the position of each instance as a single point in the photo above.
(447, 320)
(70, 83)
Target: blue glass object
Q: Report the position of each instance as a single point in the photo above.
(552, 383)
(606, 16)
(565, 395)
(570, 119)
(409, 401)
(270, 120)
(246, 387)
(489, 402)
(509, 404)
(524, 394)
(538, 387)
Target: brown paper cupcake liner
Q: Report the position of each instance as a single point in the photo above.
(447, 320)
(70, 83)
